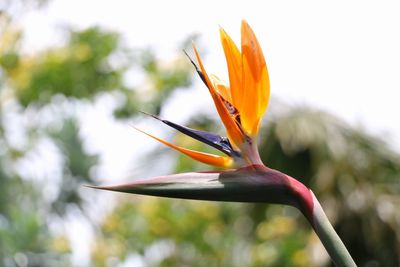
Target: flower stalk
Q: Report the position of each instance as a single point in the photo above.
(329, 238)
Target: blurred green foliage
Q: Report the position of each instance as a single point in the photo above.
(354, 174)
(197, 233)
(76, 169)
(80, 69)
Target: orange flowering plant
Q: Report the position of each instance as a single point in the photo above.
(240, 105)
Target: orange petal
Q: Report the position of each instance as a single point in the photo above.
(234, 133)
(255, 81)
(215, 160)
(222, 88)
(234, 63)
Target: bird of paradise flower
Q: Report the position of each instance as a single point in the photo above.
(240, 105)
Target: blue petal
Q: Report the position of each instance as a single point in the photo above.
(219, 142)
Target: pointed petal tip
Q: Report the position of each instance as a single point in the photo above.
(146, 113)
(154, 116)
(245, 27)
(97, 187)
(194, 46)
(115, 188)
(190, 58)
(150, 115)
(222, 31)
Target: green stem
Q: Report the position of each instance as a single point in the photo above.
(329, 238)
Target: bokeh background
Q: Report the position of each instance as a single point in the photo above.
(74, 74)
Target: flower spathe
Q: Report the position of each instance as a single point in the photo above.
(254, 183)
